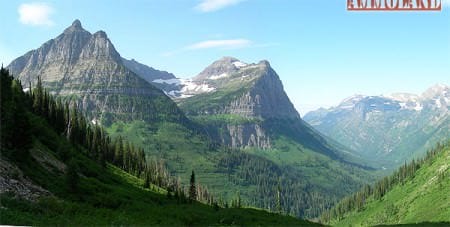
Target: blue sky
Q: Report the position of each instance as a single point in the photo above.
(321, 52)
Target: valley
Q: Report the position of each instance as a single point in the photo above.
(90, 136)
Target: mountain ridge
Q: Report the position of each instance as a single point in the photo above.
(389, 128)
(87, 69)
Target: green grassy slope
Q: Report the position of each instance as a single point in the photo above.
(116, 198)
(425, 197)
(42, 166)
(107, 196)
(308, 179)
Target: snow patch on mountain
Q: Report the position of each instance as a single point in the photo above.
(239, 64)
(175, 81)
(350, 102)
(216, 77)
(418, 107)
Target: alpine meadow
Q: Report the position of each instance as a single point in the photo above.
(256, 136)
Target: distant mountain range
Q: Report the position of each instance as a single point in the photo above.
(388, 129)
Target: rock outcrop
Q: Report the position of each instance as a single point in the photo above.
(248, 107)
(86, 69)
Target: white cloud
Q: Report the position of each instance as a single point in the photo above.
(214, 5)
(36, 14)
(224, 44)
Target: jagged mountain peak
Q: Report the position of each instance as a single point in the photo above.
(76, 23)
(353, 98)
(100, 34)
(436, 91)
(75, 27)
(219, 68)
(228, 59)
(87, 68)
(264, 63)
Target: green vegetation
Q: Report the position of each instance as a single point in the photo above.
(308, 179)
(231, 88)
(220, 119)
(417, 192)
(81, 188)
(211, 102)
(389, 138)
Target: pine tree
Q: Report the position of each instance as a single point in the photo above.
(147, 180)
(278, 201)
(192, 188)
(72, 178)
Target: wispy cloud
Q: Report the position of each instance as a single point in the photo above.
(214, 5)
(35, 14)
(220, 44)
(223, 44)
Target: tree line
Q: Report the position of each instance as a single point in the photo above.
(278, 189)
(66, 120)
(357, 201)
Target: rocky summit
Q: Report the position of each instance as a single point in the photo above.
(256, 90)
(86, 69)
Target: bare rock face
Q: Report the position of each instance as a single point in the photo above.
(253, 93)
(13, 181)
(265, 99)
(246, 136)
(86, 69)
(219, 67)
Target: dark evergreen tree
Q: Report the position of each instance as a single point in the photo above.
(278, 200)
(72, 178)
(192, 188)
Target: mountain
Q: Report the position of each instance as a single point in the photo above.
(87, 69)
(246, 106)
(244, 110)
(388, 129)
(243, 137)
(415, 194)
(151, 75)
(47, 179)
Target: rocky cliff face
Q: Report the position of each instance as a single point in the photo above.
(390, 128)
(265, 99)
(86, 69)
(246, 136)
(248, 107)
(247, 90)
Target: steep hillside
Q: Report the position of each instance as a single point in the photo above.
(388, 129)
(245, 107)
(53, 178)
(86, 69)
(416, 193)
(279, 148)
